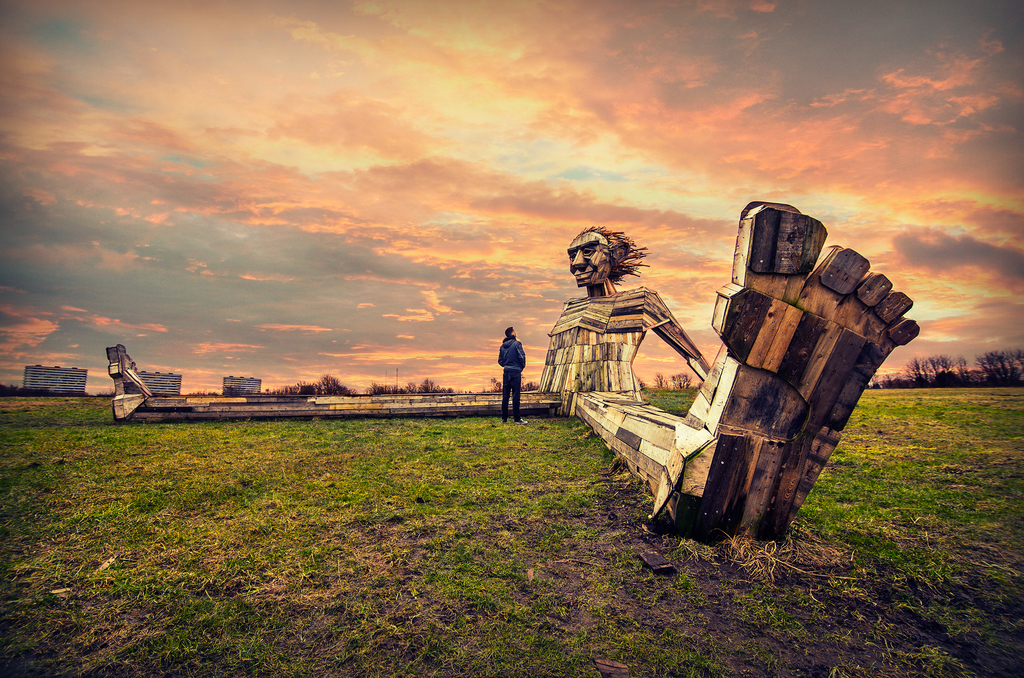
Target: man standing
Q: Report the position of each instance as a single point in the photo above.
(512, 357)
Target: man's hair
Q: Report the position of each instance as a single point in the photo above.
(629, 262)
(509, 331)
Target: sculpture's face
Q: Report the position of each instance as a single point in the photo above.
(590, 259)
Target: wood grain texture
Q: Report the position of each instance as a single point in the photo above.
(177, 408)
(873, 288)
(764, 405)
(904, 331)
(844, 271)
(893, 306)
(724, 498)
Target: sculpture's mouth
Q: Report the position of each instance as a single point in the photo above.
(584, 275)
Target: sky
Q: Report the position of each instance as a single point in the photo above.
(375, 190)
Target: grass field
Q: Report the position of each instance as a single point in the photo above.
(464, 547)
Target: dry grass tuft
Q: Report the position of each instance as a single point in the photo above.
(800, 552)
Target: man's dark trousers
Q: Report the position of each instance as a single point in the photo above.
(511, 382)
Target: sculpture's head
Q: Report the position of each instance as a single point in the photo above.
(599, 255)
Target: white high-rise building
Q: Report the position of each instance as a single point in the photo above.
(70, 380)
(162, 383)
(242, 386)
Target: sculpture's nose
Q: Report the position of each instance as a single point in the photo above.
(579, 261)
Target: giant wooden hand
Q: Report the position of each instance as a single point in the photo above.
(800, 347)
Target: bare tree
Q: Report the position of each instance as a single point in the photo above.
(659, 380)
(940, 370)
(1000, 368)
(329, 384)
(916, 372)
(681, 381)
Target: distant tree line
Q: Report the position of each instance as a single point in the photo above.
(527, 386)
(9, 391)
(329, 384)
(674, 382)
(994, 368)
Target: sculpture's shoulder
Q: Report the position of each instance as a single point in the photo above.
(624, 311)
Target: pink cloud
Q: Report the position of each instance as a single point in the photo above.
(25, 330)
(277, 327)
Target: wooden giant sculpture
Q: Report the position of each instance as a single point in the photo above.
(800, 347)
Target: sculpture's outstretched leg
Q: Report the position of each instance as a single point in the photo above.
(129, 389)
(800, 347)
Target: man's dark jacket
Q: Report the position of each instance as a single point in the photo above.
(511, 355)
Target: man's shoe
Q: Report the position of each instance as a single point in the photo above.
(520, 421)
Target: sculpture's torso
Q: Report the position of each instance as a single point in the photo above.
(594, 342)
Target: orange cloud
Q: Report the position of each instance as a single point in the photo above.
(205, 347)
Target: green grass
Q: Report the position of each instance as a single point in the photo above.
(464, 547)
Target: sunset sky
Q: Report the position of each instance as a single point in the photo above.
(288, 189)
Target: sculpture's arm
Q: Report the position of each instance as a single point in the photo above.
(668, 328)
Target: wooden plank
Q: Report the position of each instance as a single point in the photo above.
(808, 332)
(689, 440)
(784, 334)
(773, 285)
(722, 298)
(769, 330)
(844, 271)
(724, 493)
(818, 359)
(722, 392)
(741, 254)
(657, 562)
(834, 376)
(773, 240)
(821, 449)
(904, 332)
(674, 335)
(695, 473)
(609, 668)
(815, 297)
(628, 437)
(868, 362)
(893, 306)
(743, 321)
(873, 289)
(763, 239)
(765, 470)
(762, 404)
(803, 460)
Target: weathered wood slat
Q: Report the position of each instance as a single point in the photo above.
(784, 333)
(696, 470)
(904, 332)
(806, 337)
(825, 441)
(764, 470)
(844, 271)
(873, 288)
(893, 306)
(745, 317)
(724, 491)
(759, 403)
(254, 407)
(870, 358)
(784, 242)
(834, 376)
